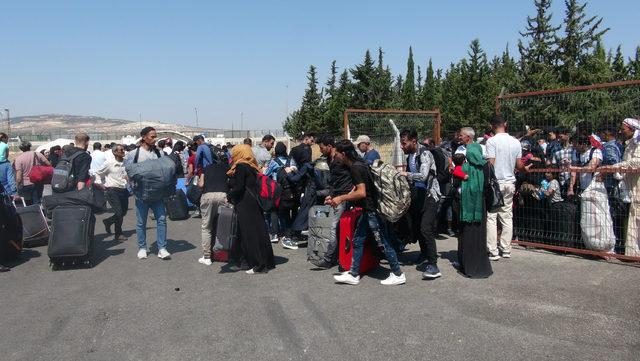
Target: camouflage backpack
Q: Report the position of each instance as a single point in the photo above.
(394, 194)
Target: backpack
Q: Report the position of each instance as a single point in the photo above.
(153, 179)
(442, 166)
(267, 192)
(288, 189)
(63, 179)
(394, 193)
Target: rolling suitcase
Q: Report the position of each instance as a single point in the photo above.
(369, 260)
(225, 234)
(71, 238)
(320, 221)
(35, 230)
(10, 231)
(177, 207)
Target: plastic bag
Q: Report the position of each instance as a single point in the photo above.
(595, 218)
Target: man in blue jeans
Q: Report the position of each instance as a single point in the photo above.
(148, 151)
(365, 196)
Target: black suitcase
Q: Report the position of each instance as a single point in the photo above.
(35, 229)
(225, 229)
(71, 238)
(10, 232)
(177, 207)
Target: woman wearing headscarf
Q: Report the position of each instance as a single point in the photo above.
(472, 241)
(251, 250)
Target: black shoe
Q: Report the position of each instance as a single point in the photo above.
(422, 266)
(320, 263)
(107, 226)
(4, 268)
(236, 268)
(431, 272)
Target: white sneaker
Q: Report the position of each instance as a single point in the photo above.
(163, 254)
(204, 261)
(142, 253)
(394, 280)
(250, 271)
(506, 255)
(274, 238)
(347, 278)
(494, 258)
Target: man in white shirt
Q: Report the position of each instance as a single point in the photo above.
(98, 157)
(263, 151)
(504, 153)
(116, 191)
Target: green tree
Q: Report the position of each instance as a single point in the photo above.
(364, 83)
(397, 92)
(429, 95)
(479, 99)
(581, 34)
(409, 87)
(382, 94)
(309, 117)
(537, 55)
(618, 67)
(334, 103)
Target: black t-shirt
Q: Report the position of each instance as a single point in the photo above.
(215, 178)
(360, 173)
(340, 178)
(81, 165)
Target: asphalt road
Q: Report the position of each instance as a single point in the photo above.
(536, 306)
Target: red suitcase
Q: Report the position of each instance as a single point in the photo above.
(369, 259)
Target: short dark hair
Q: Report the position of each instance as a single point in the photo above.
(268, 138)
(346, 146)
(197, 138)
(4, 136)
(97, 146)
(458, 158)
(82, 138)
(25, 146)
(178, 147)
(410, 134)
(326, 139)
(581, 139)
(280, 150)
(247, 141)
(497, 121)
(146, 131)
(161, 143)
(561, 130)
(308, 135)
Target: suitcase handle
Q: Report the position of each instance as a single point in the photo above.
(22, 199)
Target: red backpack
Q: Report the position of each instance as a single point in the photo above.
(268, 193)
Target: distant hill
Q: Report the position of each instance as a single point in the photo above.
(64, 123)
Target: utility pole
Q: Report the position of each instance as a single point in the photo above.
(140, 119)
(287, 102)
(196, 109)
(8, 122)
(241, 121)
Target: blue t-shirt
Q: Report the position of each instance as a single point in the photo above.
(370, 156)
(4, 152)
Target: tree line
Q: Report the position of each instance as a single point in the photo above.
(549, 56)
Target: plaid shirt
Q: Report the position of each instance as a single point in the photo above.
(564, 158)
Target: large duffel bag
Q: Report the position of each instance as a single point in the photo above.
(71, 239)
(153, 179)
(177, 207)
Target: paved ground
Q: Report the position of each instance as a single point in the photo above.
(537, 306)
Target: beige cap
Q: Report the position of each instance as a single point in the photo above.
(362, 139)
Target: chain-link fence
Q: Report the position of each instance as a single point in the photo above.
(581, 193)
(383, 127)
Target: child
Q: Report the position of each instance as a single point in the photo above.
(549, 187)
(458, 160)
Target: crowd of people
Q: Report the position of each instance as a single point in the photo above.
(449, 190)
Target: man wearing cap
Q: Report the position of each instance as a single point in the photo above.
(630, 130)
(363, 143)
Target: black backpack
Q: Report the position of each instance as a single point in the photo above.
(63, 179)
(288, 189)
(442, 166)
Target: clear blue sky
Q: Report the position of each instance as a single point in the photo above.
(120, 58)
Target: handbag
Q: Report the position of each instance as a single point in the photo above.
(40, 173)
(493, 195)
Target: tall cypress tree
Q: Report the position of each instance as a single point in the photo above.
(333, 103)
(382, 96)
(409, 87)
(428, 96)
(581, 35)
(479, 99)
(537, 55)
(309, 117)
